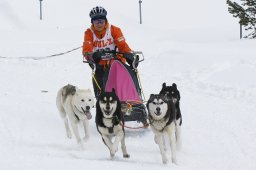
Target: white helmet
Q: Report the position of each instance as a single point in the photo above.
(98, 12)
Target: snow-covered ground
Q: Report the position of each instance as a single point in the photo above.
(194, 44)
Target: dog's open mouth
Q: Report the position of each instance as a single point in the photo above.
(87, 113)
(108, 112)
(158, 113)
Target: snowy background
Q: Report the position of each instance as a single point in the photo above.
(192, 43)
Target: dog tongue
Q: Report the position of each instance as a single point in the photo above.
(88, 115)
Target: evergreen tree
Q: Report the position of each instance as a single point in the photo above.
(246, 12)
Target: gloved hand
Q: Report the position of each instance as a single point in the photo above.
(129, 58)
(132, 60)
(97, 56)
(87, 55)
(91, 64)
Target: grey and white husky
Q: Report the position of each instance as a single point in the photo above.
(162, 118)
(109, 122)
(75, 105)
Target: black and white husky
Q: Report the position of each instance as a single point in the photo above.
(162, 118)
(75, 105)
(172, 93)
(109, 122)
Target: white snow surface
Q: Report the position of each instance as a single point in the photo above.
(192, 43)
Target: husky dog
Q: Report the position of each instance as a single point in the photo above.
(172, 93)
(75, 104)
(162, 118)
(109, 122)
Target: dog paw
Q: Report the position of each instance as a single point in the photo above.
(126, 156)
(86, 138)
(165, 161)
(112, 156)
(174, 161)
(69, 135)
(81, 145)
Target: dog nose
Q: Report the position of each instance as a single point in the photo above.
(158, 109)
(108, 106)
(87, 107)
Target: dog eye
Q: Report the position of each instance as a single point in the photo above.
(154, 103)
(162, 103)
(82, 100)
(90, 100)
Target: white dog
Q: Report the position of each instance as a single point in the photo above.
(75, 104)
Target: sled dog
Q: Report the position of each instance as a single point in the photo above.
(162, 118)
(172, 93)
(109, 122)
(75, 105)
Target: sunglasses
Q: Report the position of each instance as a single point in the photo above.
(99, 21)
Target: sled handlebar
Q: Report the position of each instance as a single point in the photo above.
(138, 53)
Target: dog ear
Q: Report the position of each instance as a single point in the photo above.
(176, 91)
(164, 85)
(73, 93)
(174, 85)
(151, 97)
(72, 90)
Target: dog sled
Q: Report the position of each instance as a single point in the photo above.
(126, 82)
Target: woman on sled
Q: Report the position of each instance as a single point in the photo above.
(114, 64)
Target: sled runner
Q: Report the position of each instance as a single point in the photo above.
(125, 80)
